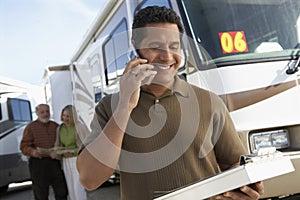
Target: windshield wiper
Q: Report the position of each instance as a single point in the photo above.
(294, 64)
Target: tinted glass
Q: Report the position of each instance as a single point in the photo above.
(234, 30)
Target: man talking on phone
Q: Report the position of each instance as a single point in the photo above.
(158, 131)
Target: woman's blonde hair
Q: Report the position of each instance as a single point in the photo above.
(69, 110)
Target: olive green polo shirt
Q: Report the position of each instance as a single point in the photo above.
(171, 141)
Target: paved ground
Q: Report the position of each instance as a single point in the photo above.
(108, 191)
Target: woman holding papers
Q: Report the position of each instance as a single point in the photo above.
(68, 138)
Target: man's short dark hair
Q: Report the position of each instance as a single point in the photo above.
(151, 15)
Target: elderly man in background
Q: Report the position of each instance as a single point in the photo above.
(44, 170)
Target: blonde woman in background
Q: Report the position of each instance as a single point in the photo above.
(68, 137)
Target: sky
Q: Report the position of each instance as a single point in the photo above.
(35, 34)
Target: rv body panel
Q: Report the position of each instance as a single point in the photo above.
(261, 97)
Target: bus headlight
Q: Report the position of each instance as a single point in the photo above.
(277, 138)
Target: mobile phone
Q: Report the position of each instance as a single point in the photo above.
(133, 53)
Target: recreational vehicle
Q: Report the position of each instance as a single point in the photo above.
(17, 101)
(57, 86)
(247, 52)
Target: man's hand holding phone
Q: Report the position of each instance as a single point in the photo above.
(134, 55)
(136, 73)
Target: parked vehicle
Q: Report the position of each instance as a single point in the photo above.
(17, 101)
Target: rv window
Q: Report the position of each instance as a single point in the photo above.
(19, 110)
(111, 72)
(115, 52)
(233, 31)
(98, 96)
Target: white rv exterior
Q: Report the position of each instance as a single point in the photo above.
(17, 102)
(57, 85)
(251, 63)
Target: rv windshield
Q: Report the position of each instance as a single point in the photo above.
(235, 31)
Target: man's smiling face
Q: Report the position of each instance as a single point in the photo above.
(161, 47)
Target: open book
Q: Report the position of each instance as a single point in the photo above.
(56, 150)
(252, 169)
